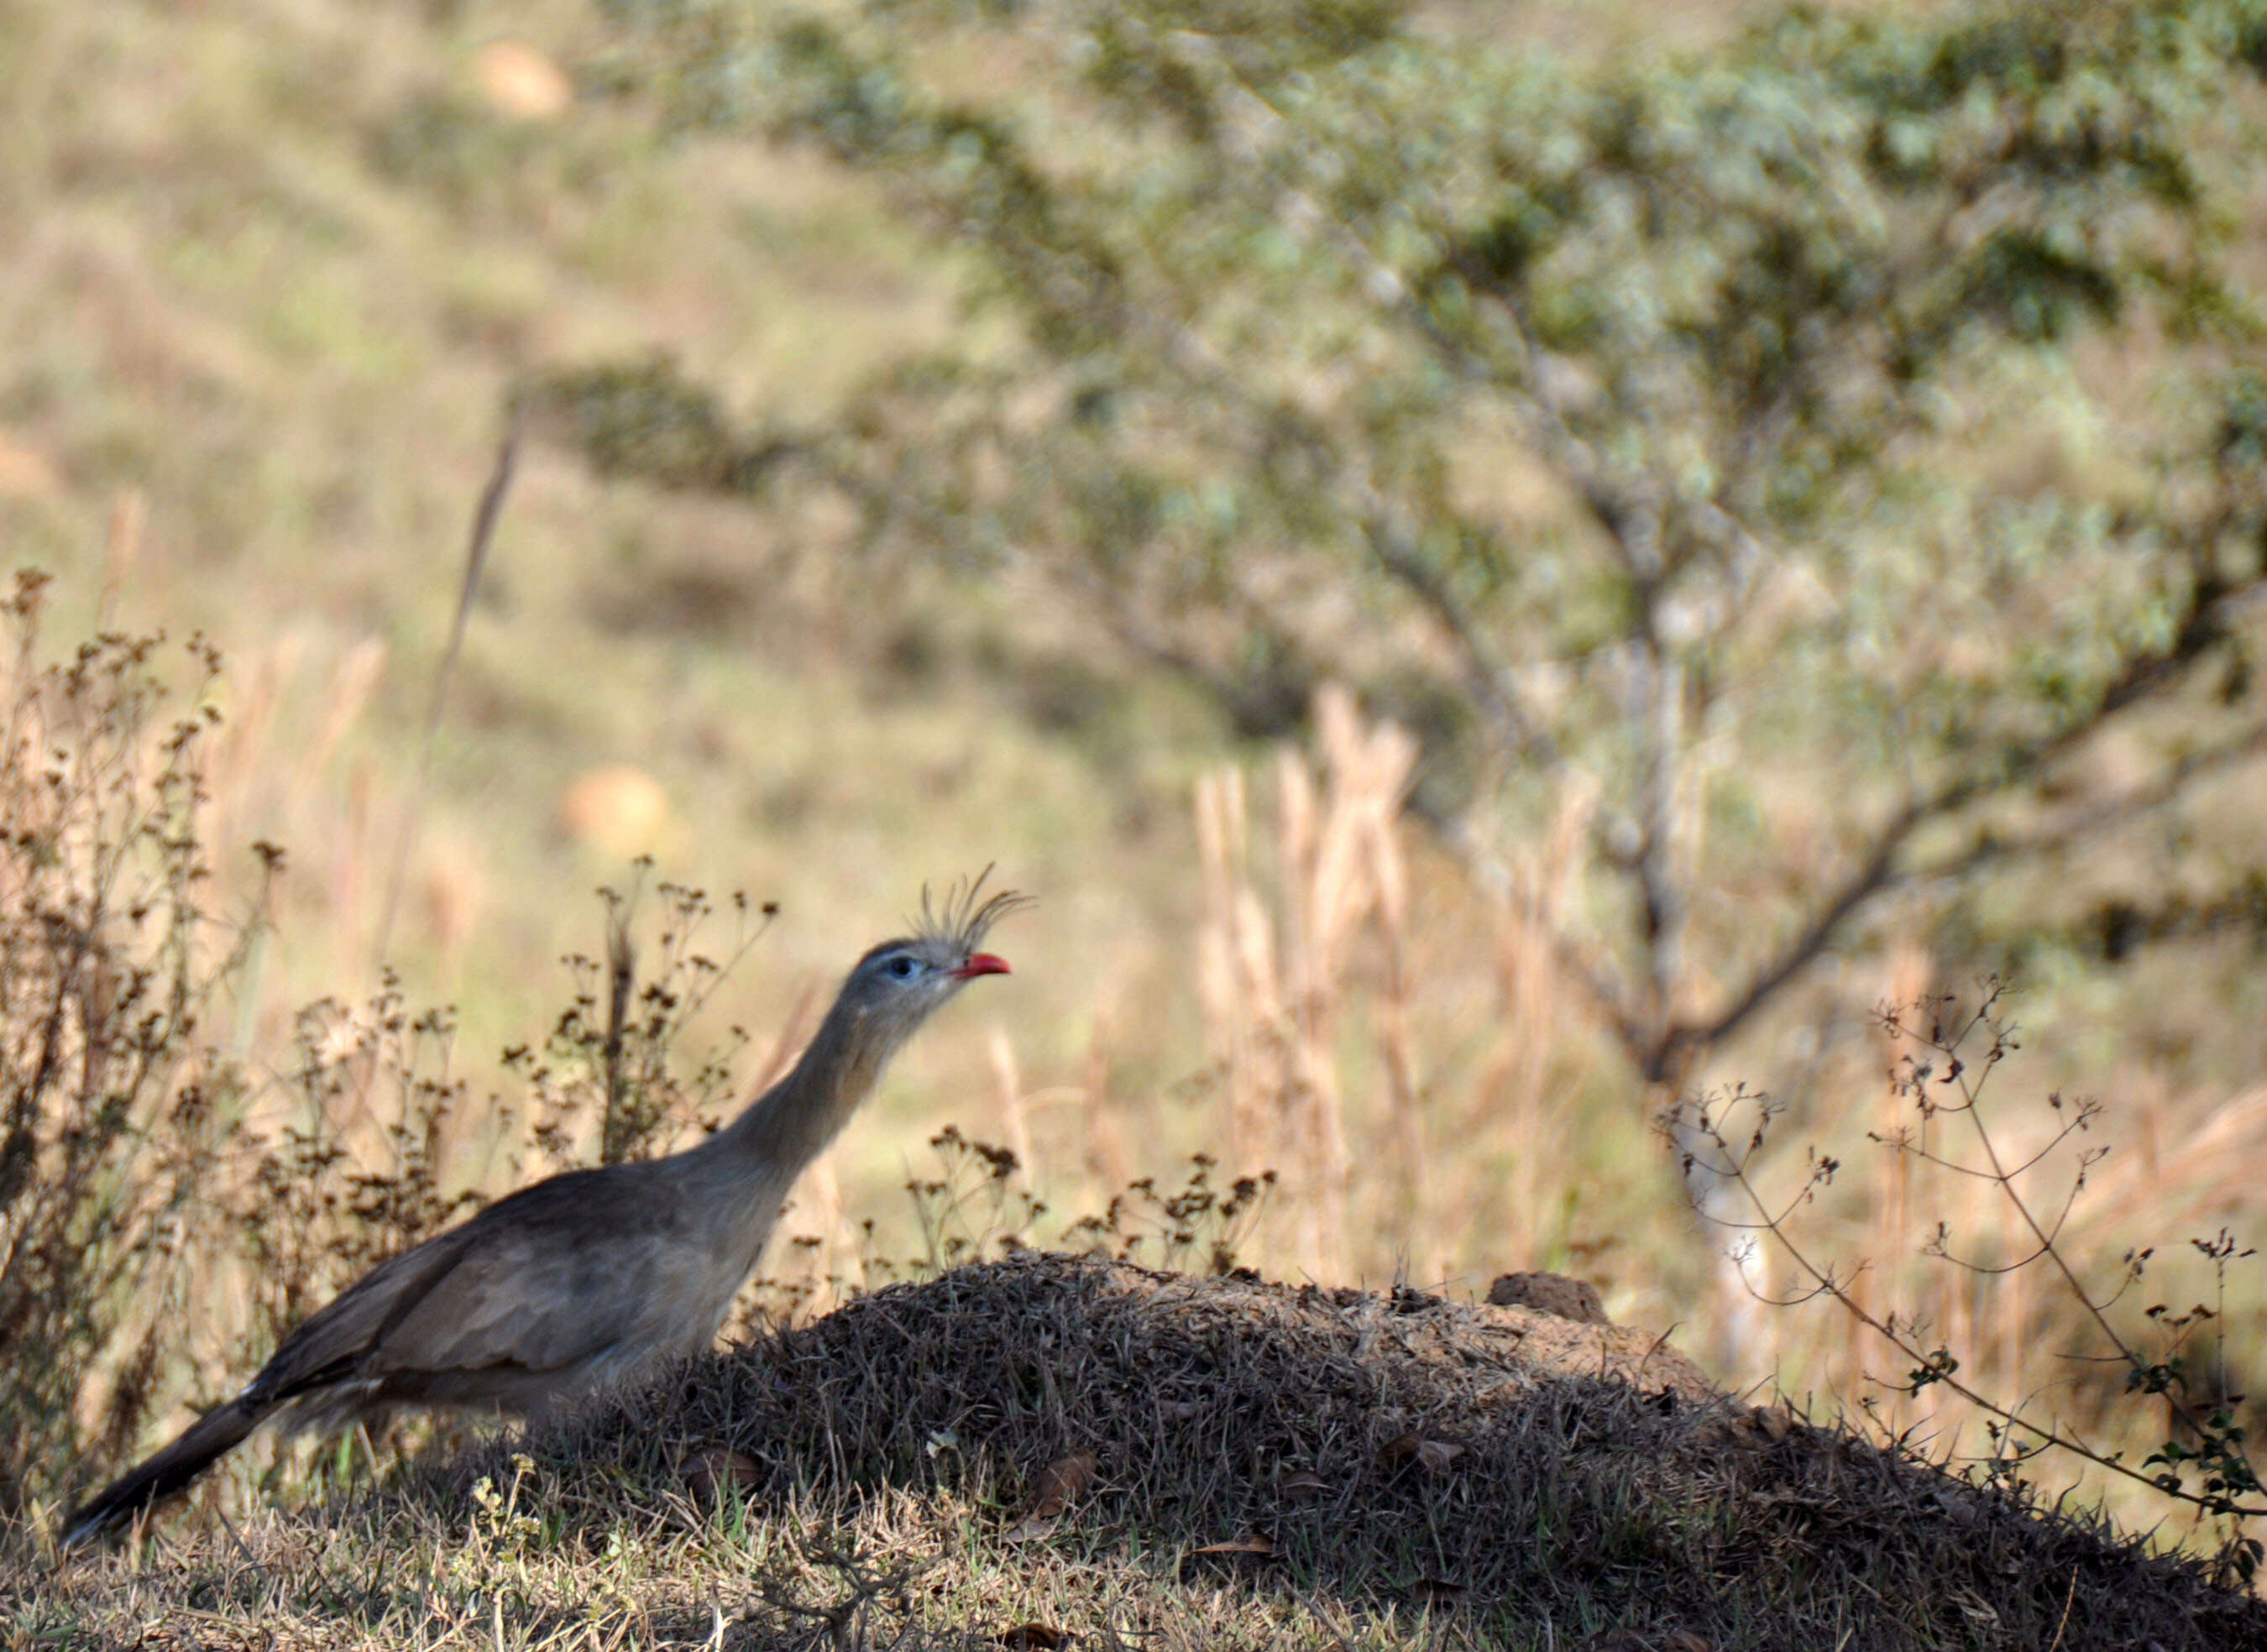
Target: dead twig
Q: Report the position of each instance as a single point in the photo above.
(476, 555)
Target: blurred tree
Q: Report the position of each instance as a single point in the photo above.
(1810, 455)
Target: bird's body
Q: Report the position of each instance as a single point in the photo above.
(582, 1280)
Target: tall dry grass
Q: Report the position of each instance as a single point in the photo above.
(1411, 1090)
(1276, 971)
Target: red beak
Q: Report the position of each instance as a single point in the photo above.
(982, 963)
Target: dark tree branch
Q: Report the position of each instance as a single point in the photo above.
(1398, 555)
(2144, 679)
(1855, 890)
(2139, 800)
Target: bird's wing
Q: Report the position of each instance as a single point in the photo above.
(332, 1344)
(575, 1272)
(557, 1275)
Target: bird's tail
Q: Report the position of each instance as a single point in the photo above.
(163, 1474)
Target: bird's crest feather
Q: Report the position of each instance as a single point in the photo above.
(965, 914)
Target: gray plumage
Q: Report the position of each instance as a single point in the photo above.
(581, 1280)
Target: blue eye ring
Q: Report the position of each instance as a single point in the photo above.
(902, 966)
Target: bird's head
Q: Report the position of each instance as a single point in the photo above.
(902, 982)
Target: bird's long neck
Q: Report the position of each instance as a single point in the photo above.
(790, 1124)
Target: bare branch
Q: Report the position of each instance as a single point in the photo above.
(1824, 1283)
(1860, 886)
(1490, 684)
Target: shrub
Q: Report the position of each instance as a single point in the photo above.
(114, 968)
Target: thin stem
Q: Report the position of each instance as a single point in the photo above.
(2178, 1406)
(1826, 1285)
(476, 556)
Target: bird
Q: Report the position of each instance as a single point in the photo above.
(579, 1282)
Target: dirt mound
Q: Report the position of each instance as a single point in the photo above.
(1549, 1480)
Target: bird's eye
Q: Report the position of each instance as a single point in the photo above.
(902, 968)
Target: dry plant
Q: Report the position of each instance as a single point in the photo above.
(485, 517)
(975, 1204)
(116, 1085)
(1274, 975)
(360, 1168)
(2000, 1198)
(972, 1205)
(609, 1064)
(1199, 1226)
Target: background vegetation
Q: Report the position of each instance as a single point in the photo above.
(1494, 570)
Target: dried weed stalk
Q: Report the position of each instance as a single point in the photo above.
(1274, 975)
(370, 1162)
(1947, 1124)
(116, 1084)
(609, 1062)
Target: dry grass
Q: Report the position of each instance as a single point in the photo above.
(1070, 1441)
(1275, 984)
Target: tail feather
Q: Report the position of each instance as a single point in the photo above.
(170, 1470)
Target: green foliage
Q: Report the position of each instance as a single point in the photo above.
(1630, 412)
(643, 419)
